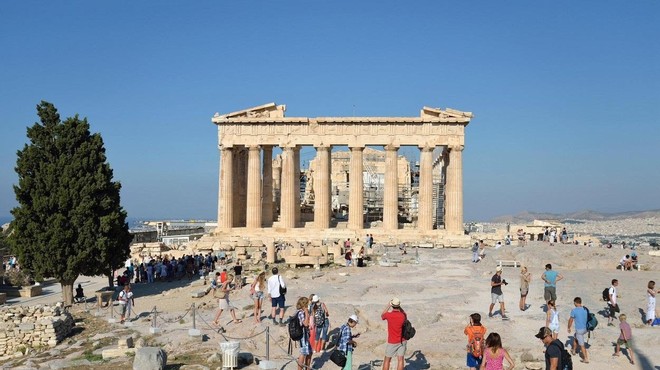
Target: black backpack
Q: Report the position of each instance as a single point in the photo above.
(565, 359)
(295, 329)
(407, 332)
(606, 294)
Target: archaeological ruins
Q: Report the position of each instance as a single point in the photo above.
(341, 194)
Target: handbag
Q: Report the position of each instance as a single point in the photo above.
(282, 288)
(338, 357)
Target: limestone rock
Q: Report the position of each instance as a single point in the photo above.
(149, 358)
(194, 367)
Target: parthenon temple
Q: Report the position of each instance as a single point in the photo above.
(341, 194)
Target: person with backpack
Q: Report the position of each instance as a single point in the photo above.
(476, 343)
(611, 303)
(495, 354)
(552, 319)
(579, 315)
(396, 344)
(320, 314)
(302, 316)
(126, 302)
(346, 340)
(556, 356)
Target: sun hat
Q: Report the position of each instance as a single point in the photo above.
(395, 302)
(498, 268)
(315, 298)
(354, 318)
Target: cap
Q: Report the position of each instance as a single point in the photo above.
(315, 298)
(354, 318)
(543, 332)
(395, 302)
(498, 268)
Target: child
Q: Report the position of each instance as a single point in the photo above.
(552, 319)
(494, 354)
(474, 329)
(625, 338)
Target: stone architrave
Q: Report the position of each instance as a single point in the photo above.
(454, 191)
(391, 196)
(356, 189)
(322, 188)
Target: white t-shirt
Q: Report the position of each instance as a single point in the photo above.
(612, 295)
(124, 297)
(274, 285)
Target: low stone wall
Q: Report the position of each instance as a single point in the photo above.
(23, 327)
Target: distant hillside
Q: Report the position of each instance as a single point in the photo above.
(590, 215)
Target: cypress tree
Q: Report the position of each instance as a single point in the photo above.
(69, 221)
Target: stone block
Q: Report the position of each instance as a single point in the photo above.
(31, 291)
(198, 294)
(3, 298)
(149, 358)
(116, 352)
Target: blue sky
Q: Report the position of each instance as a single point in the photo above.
(566, 94)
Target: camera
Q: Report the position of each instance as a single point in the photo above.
(504, 282)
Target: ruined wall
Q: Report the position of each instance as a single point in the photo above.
(23, 327)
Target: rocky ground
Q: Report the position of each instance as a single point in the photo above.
(439, 289)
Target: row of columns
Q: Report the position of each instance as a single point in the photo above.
(245, 191)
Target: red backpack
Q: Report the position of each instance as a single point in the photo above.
(477, 344)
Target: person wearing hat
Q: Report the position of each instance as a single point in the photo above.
(496, 294)
(346, 343)
(319, 313)
(553, 349)
(396, 345)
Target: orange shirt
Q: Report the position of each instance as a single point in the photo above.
(471, 330)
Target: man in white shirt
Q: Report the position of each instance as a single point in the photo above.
(612, 305)
(276, 298)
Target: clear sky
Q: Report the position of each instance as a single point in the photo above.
(566, 94)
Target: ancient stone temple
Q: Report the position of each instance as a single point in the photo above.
(261, 197)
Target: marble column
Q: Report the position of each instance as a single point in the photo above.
(391, 193)
(225, 211)
(240, 186)
(322, 194)
(277, 187)
(425, 200)
(356, 189)
(296, 169)
(267, 196)
(287, 190)
(253, 203)
(454, 191)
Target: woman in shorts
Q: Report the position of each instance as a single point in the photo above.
(525, 278)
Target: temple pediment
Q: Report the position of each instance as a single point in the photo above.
(270, 110)
(428, 112)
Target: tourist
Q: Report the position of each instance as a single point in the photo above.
(525, 278)
(257, 293)
(650, 306)
(580, 317)
(222, 293)
(126, 302)
(215, 281)
(496, 294)
(346, 340)
(553, 349)
(360, 257)
(348, 257)
(277, 300)
(475, 252)
(550, 278)
(495, 354)
(396, 345)
(223, 275)
(521, 238)
(626, 263)
(368, 241)
(564, 236)
(238, 270)
(474, 331)
(612, 305)
(320, 314)
(305, 358)
(625, 338)
(80, 294)
(150, 272)
(552, 319)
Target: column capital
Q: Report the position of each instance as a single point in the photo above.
(391, 147)
(455, 147)
(254, 147)
(356, 146)
(426, 147)
(322, 145)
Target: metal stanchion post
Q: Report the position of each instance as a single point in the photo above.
(267, 342)
(193, 316)
(154, 328)
(194, 332)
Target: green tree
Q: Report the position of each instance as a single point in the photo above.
(69, 221)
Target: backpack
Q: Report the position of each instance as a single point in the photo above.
(295, 329)
(477, 344)
(319, 316)
(592, 321)
(407, 332)
(606, 294)
(565, 359)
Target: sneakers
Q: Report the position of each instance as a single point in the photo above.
(490, 315)
(505, 317)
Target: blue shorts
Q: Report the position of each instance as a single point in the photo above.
(277, 302)
(473, 361)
